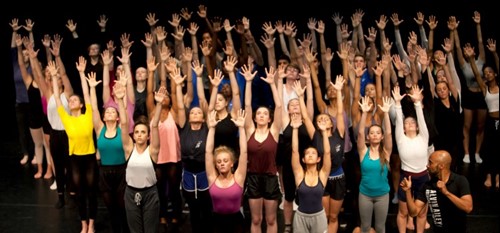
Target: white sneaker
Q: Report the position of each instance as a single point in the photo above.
(53, 186)
(395, 199)
(478, 159)
(466, 159)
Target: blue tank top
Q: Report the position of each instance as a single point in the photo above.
(374, 181)
(310, 197)
(111, 149)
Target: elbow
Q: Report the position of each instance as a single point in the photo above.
(468, 209)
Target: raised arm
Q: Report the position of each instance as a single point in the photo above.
(298, 171)
(181, 110)
(127, 141)
(229, 66)
(241, 171)
(416, 96)
(80, 66)
(249, 76)
(154, 146)
(365, 106)
(209, 148)
(387, 127)
(150, 103)
(197, 67)
(303, 109)
(56, 47)
(278, 103)
(470, 54)
(327, 161)
(96, 115)
(479, 35)
(27, 77)
(106, 62)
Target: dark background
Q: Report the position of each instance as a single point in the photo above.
(129, 17)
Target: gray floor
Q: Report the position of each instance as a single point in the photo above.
(27, 205)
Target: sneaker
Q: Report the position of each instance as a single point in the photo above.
(53, 186)
(478, 159)
(395, 199)
(467, 159)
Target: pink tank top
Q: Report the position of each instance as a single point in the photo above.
(226, 200)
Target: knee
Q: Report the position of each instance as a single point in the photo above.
(333, 217)
(256, 220)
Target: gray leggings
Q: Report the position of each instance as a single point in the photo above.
(369, 205)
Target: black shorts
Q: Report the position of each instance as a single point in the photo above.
(336, 187)
(473, 100)
(263, 186)
(46, 126)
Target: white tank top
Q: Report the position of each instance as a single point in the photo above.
(52, 115)
(140, 172)
(491, 101)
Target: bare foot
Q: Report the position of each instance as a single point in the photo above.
(33, 161)
(410, 225)
(38, 175)
(487, 183)
(47, 175)
(24, 160)
(427, 225)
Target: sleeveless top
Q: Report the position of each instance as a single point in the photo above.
(491, 100)
(285, 149)
(226, 200)
(111, 149)
(35, 106)
(310, 197)
(262, 155)
(193, 143)
(469, 75)
(374, 180)
(52, 114)
(140, 103)
(170, 149)
(226, 133)
(140, 172)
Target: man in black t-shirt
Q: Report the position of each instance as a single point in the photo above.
(447, 193)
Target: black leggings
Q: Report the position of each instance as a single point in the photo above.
(169, 177)
(491, 150)
(84, 172)
(59, 149)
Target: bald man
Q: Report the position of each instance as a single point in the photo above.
(447, 193)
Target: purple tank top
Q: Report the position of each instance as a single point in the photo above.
(226, 200)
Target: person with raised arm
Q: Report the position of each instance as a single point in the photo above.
(310, 179)
(447, 194)
(82, 151)
(374, 149)
(142, 203)
(263, 129)
(224, 181)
